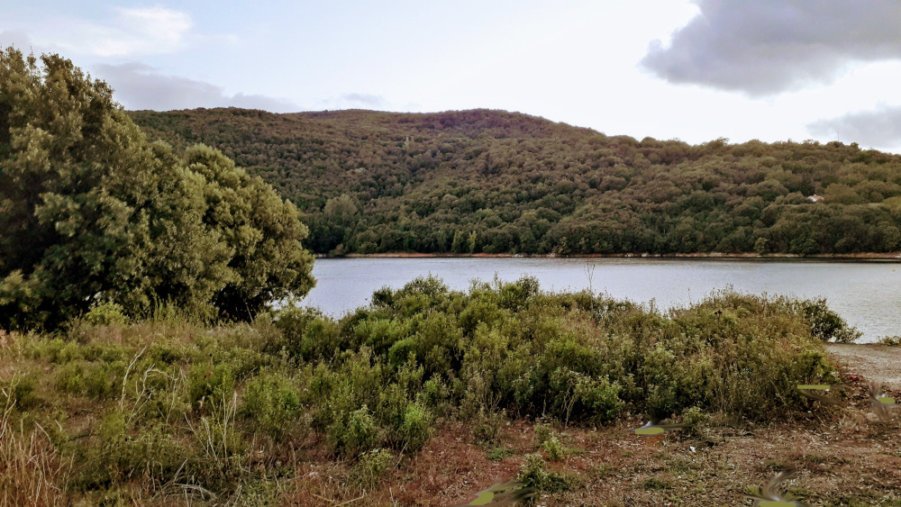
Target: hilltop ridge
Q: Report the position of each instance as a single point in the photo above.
(497, 182)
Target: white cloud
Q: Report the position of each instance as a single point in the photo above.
(139, 86)
(129, 32)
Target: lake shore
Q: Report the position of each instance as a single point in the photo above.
(782, 257)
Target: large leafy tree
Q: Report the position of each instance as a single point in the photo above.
(91, 211)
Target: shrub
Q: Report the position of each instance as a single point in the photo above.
(416, 426)
(892, 341)
(272, 402)
(306, 334)
(534, 474)
(209, 383)
(354, 434)
(105, 314)
(825, 324)
(20, 392)
(96, 380)
(371, 468)
(554, 448)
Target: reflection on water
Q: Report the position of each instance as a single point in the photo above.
(868, 295)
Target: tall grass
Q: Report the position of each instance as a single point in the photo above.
(32, 470)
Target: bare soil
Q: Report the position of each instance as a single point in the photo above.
(877, 363)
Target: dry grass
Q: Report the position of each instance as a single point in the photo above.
(32, 472)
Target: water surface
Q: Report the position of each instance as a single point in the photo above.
(868, 295)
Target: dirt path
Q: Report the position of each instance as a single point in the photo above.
(877, 363)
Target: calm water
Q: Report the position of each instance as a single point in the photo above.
(867, 295)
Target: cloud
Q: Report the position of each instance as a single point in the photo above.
(140, 31)
(139, 86)
(128, 32)
(363, 99)
(15, 38)
(880, 128)
(763, 47)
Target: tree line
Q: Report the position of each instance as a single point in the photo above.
(497, 182)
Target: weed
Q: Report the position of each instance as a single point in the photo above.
(534, 474)
(272, 402)
(371, 468)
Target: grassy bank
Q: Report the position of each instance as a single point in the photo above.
(297, 406)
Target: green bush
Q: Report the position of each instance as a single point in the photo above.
(534, 474)
(416, 427)
(96, 380)
(306, 334)
(105, 314)
(554, 448)
(272, 402)
(825, 324)
(892, 341)
(355, 433)
(371, 468)
(210, 383)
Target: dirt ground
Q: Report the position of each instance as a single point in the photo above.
(846, 456)
(877, 363)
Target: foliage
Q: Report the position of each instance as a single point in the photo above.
(893, 341)
(138, 406)
(272, 401)
(490, 181)
(371, 468)
(534, 474)
(93, 214)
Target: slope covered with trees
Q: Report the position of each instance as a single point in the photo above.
(497, 182)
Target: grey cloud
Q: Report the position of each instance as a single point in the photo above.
(363, 99)
(139, 86)
(767, 46)
(880, 128)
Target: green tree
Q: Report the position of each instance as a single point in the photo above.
(91, 211)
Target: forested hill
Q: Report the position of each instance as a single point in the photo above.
(492, 181)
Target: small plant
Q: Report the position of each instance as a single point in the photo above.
(356, 434)
(273, 402)
(106, 314)
(825, 324)
(208, 383)
(655, 484)
(892, 341)
(499, 453)
(534, 474)
(487, 426)
(371, 468)
(542, 433)
(554, 449)
(693, 419)
(415, 428)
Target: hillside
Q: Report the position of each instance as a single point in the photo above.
(498, 182)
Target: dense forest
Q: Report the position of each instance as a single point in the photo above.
(497, 182)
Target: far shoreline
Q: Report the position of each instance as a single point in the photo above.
(888, 257)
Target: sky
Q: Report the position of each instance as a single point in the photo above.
(670, 69)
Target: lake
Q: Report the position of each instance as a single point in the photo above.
(867, 295)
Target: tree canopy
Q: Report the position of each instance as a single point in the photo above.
(91, 211)
(498, 182)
